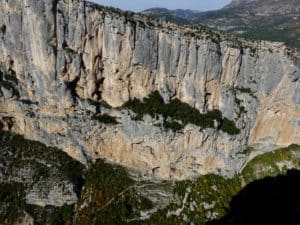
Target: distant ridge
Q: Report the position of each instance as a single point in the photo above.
(274, 20)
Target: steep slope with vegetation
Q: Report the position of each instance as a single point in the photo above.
(37, 183)
(150, 122)
(273, 20)
(108, 194)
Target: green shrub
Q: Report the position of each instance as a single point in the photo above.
(229, 127)
(174, 126)
(176, 110)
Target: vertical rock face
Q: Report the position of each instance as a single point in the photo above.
(58, 56)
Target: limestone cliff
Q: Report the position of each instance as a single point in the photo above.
(59, 57)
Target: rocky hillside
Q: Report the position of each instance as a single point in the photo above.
(179, 16)
(43, 186)
(167, 101)
(161, 123)
(268, 7)
(274, 20)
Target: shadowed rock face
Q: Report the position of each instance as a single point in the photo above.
(58, 54)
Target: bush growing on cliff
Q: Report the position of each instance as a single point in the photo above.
(151, 105)
(180, 114)
(229, 127)
(174, 126)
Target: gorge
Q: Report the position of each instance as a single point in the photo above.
(171, 104)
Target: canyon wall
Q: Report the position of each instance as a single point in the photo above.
(59, 58)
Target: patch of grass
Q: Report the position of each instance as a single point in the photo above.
(271, 163)
(177, 114)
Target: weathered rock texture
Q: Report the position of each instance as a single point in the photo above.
(65, 52)
(47, 175)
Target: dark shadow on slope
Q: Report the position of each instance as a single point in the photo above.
(273, 200)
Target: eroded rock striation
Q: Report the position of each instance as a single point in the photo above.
(61, 59)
